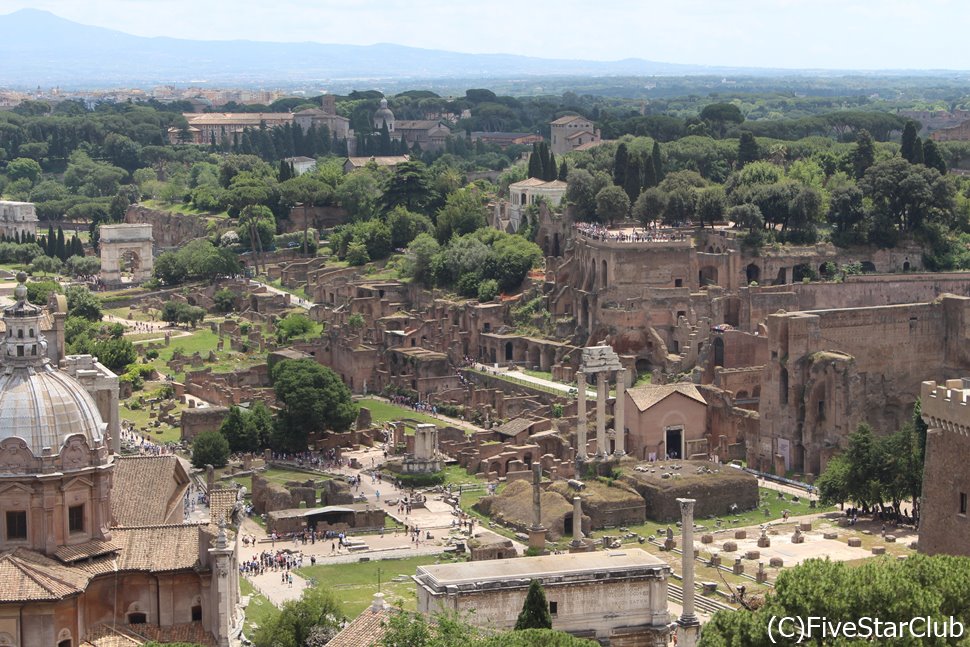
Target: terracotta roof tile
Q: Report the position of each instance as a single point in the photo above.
(93, 548)
(148, 490)
(158, 548)
(222, 501)
(28, 576)
(646, 396)
(365, 630)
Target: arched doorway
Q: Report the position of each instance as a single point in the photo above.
(604, 276)
(752, 273)
(508, 351)
(137, 618)
(801, 272)
(906, 266)
(555, 244)
(868, 267)
(782, 277)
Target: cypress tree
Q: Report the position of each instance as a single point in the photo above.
(543, 161)
(563, 171)
(553, 169)
(535, 611)
(658, 169)
(284, 171)
(918, 151)
(385, 142)
(633, 184)
(864, 154)
(621, 160)
(16, 236)
(932, 157)
(60, 250)
(535, 164)
(908, 145)
(748, 150)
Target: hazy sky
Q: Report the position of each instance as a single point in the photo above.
(840, 34)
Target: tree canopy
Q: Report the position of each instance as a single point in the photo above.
(314, 399)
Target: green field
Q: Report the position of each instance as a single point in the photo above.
(204, 340)
(182, 208)
(163, 434)
(769, 500)
(355, 584)
(260, 610)
(135, 314)
(381, 411)
(274, 475)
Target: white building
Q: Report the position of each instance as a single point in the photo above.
(614, 596)
(17, 217)
(509, 215)
(301, 164)
(571, 132)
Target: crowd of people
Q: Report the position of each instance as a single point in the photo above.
(599, 232)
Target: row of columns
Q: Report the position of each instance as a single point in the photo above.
(602, 394)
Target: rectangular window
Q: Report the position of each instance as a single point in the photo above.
(963, 503)
(75, 518)
(553, 608)
(16, 524)
(821, 409)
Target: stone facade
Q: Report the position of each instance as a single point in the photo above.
(571, 132)
(943, 522)
(17, 219)
(602, 596)
(126, 249)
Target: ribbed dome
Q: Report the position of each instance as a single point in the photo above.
(44, 407)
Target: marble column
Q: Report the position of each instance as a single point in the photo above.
(581, 416)
(537, 533)
(688, 624)
(577, 521)
(602, 392)
(619, 420)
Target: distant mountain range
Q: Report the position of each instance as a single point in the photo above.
(40, 48)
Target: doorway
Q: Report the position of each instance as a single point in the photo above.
(674, 442)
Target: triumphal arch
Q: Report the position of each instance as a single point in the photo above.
(126, 250)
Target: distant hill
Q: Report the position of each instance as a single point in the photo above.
(39, 48)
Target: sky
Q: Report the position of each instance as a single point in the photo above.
(813, 34)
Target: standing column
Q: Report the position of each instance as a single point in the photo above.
(537, 533)
(577, 522)
(618, 417)
(601, 394)
(581, 416)
(689, 625)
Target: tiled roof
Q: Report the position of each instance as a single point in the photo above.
(580, 133)
(648, 395)
(93, 548)
(366, 629)
(148, 490)
(515, 426)
(158, 548)
(567, 119)
(415, 124)
(28, 576)
(221, 503)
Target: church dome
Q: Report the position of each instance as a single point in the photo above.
(42, 410)
(383, 115)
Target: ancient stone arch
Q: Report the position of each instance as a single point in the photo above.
(126, 249)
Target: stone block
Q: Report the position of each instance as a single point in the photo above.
(843, 523)
(890, 539)
(729, 547)
(707, 539)
(776, 562)
(738, 567)
(855, 542)
(740, 534)
(752, 554)
(764, 542)
(878, 550)
(709, 587)
(830, 535)
(798, 539)
(715, 560)
(805, 526)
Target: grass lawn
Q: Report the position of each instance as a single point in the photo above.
(204, 340)
(135, 314)
(163, 434)
(182, 208)
(542, 375)
(769, 499)
(355, 584)
(381, 411)
(260, 610)
(274, 475)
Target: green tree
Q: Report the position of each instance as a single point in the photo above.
(80, 266)
(210, 448)
(43, 264)
(621, 161)
(658, 167)
(748, 149)
(22, 168)
(464, 212)
(864, 154)
(314, 399)
(406, 225)
(933, 158)
(409, 186)
(487, 290)
(612, 204)
(39, 292)
(650, 206)
(239, 433)
(360, 194)
(419, 258)
(224, 300)
(720, 115)
(81, 302)
(299, 620)
(293, 325)
(908, 146)
(711, 204)
(535, 611)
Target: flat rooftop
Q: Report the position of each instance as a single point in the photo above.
(542, 567)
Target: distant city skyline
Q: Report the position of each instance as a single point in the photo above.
(803, 34)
